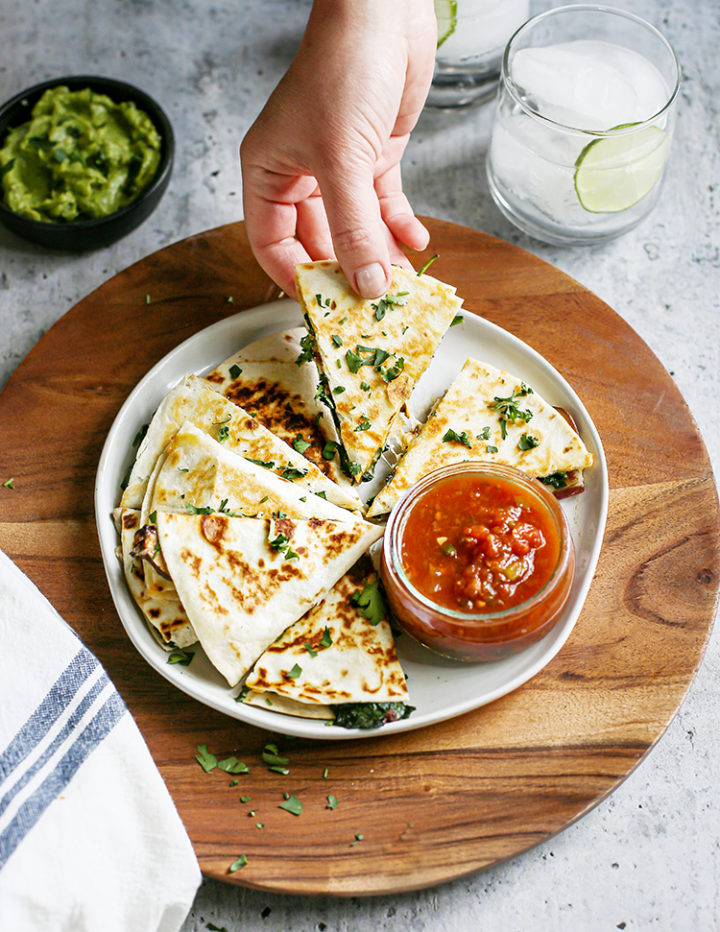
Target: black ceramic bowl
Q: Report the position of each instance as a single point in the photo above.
(89, 234)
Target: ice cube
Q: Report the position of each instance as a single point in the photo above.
(588, 84)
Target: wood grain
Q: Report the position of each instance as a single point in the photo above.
(444, 801)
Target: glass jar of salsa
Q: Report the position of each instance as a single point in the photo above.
(477, 561)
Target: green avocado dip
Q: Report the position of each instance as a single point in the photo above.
(80, 157)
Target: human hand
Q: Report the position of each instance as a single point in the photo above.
(321, 164)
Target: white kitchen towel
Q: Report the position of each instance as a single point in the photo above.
(90, 839)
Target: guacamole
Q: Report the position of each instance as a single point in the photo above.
(80, 157)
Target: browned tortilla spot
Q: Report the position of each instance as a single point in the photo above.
(212, 528)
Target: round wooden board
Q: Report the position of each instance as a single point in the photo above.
(437, 803)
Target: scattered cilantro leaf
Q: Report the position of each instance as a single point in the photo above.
(300, 444)
(233, 765)
(331, 802)
(183, 657)
(427, 265)
(237, 864)
(292, 804)
(235, 371)
(206, 760)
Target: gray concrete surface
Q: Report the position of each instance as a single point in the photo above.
(647, 857)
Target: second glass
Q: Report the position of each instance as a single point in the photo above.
(472, 35)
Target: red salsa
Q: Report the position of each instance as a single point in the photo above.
(478, 544)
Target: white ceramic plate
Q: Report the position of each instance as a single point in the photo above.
(439, 689)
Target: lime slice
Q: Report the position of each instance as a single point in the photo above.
(613, 173)
(446, 14)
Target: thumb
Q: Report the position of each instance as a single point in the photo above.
(357, 229)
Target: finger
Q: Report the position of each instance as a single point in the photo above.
(270, 229)
(397, 213)
(356, 226)
(271, 219)
(312, 228)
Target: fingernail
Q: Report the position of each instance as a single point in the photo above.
(370, 280)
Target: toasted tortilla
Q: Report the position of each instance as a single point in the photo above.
(467, 424)
(335, 653)
(197, 472)
(243, 581)
(166, 615)
(370, 354)
(266, 380)
(281, 704)
(197, 401)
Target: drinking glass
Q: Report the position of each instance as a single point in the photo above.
(583, 124)
(472, 35)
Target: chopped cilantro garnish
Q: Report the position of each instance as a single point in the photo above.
(329, 450)
(336, 340)
(233, 765)
(484, 434)
(338, 390)
(364, 386)
(292, 472)
(392, 372)
(9, 484)
(183, 657)
(235, 371)
(428, 264)
(292, 804)
(364, 424)
(326, 640)
(266, 464)
(300, 444)
(223, 433)
(237, 864)
(527, 442)
(452, 436)
(508, 410)
(370, 602)
(206, 760)
(310, 649)
(194, 510)
(294, 673)
(331, 801)
(271, 756)
(491, 449)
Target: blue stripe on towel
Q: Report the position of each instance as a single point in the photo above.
(70, 725)
(47, 713)
(91, 736)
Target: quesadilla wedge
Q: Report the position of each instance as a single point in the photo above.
(370, 354)
(269, 379)
(243, 581)
(197, 401)
(165, 615)
(334, 655)
(488, 414)
(197, 474)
